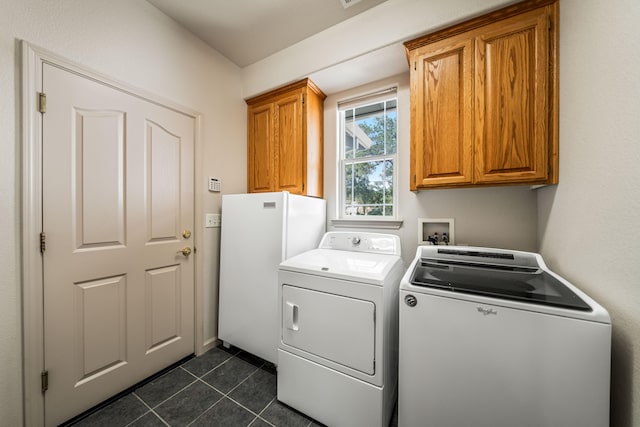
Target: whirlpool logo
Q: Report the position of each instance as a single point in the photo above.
(487, 311)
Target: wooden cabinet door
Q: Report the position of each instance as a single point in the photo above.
(260, 148)
(512, 90)
(290, 153)
(442, 110)
(285, 140)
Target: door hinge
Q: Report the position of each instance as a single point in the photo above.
(42, 102)
(302, 99)
(549, 23)
(44, 380)
(415, 65)
(303, 186)
(43, 242)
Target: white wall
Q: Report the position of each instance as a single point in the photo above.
(133, 42)
(376, 32)
(363, 51)
(496, 217)
(589, 225)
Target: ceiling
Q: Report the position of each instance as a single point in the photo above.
(246, 31)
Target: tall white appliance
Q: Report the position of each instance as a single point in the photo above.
(259, 231)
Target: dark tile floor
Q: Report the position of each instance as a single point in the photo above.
(223, 387)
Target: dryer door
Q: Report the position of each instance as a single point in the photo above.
(337, 328)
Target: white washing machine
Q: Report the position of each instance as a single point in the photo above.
(492, 337)
(337, 354)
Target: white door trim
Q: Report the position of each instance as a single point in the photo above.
(32, 281)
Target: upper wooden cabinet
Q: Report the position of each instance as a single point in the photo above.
(285, 140)
(484, 100)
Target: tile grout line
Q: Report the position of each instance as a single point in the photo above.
(152, 408)
(199, 378)
(264, 409)
(149, 411)
(229, 392)
(211, 406)
(179, 391)
(259, 415)
(231, 356)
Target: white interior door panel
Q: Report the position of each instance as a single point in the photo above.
(117, 195)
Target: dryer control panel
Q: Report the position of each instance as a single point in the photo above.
(388, 244)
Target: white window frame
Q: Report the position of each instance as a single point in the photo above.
(375, 221)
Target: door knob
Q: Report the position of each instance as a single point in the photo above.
(185, 251)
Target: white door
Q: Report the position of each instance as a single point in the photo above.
(117, 205)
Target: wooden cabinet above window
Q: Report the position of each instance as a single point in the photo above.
(484, 100)
(285, 140)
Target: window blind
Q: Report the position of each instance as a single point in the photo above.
(369, 98)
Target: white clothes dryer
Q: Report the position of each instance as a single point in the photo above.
(337, 353)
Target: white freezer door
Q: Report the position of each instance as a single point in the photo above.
(251, 249)
(334, 327)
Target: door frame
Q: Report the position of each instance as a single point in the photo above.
(33, 58)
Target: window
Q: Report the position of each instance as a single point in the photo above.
(368, 145)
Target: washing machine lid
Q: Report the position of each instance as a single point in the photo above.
(361, 267)
(530, 284)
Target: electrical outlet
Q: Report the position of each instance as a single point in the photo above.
(212, 220)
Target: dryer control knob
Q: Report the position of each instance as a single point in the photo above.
(355, 241)
(411, 301)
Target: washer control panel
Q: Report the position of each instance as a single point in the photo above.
(388, 244)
